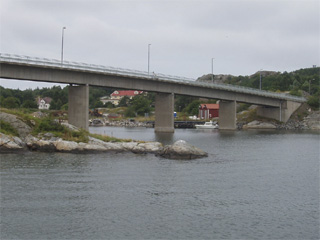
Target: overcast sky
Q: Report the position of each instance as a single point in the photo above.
(243, 36)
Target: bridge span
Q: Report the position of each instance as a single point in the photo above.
(80, 76)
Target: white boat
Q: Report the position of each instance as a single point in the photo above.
(208, 125)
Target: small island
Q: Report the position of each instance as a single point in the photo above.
(21, 133)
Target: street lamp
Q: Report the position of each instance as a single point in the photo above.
(212, 69)
(260, 79)
(310, 85)
(149, 58)
(62, 45)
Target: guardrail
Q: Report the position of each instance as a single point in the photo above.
(140, 74)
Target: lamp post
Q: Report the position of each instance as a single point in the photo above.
(212, 69)
(310, 85)
(149, 58)
(62, 45)
(260, 79)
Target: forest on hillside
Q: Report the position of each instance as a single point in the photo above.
(307, 80)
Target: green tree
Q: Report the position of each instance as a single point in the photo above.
(129, 112)
(181, 102)
(29, 104)
(64, 107)
(124, 101)
(98, 104)
(193, 108)
(108, 105)
(141, 105)
(314, 102)
(11, 102)
(56, 105)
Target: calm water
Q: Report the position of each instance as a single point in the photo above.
(253, 185)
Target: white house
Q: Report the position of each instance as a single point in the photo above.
(44, 103)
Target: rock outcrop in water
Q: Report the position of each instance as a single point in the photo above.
(49, 143)
(11, 144)
(259, 125)
(182, 150)
(93, 145)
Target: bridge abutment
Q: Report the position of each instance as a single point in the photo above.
(282, 113)
(227, 115)
(164, 108)
(78, 106)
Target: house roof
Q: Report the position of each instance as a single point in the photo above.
(45, 99)
(128, 93)
(210, 105)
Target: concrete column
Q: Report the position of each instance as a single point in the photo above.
(227, 115)
(164, 108)
(78, 106)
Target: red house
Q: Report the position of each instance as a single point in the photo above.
(208, 111)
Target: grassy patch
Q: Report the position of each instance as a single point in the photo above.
(23, 115)
(76, 136)
(108, 138)
(6, 128)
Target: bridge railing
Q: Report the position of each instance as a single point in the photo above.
(141, 74)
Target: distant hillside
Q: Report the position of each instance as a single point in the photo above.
(307, 80)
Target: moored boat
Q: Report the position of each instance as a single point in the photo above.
(208, 125)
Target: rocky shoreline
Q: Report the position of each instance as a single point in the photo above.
(310, 122)
(49, 143)
(179, 150)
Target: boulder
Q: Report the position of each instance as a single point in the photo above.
(22, 128)
(148, 147)
(313, 120)
(94, 148)
(36, 144)
(108, 146)
(182, 150)
(259, 125)
(11, 144)
(66, 146)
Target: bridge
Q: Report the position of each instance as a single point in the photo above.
(81, 75)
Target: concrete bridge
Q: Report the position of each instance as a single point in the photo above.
(80, 76)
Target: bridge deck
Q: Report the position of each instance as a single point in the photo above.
(120, 72)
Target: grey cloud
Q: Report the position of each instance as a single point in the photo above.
(242, 35)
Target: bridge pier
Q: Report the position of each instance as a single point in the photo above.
(227, 115)
(78, 106)
(164, 108)
(281, 113)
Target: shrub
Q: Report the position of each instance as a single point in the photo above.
(49, 125)
(296, 92)
(108, 138)
(243, 107)
(314, 102)
(129, 112)
(6, 128)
